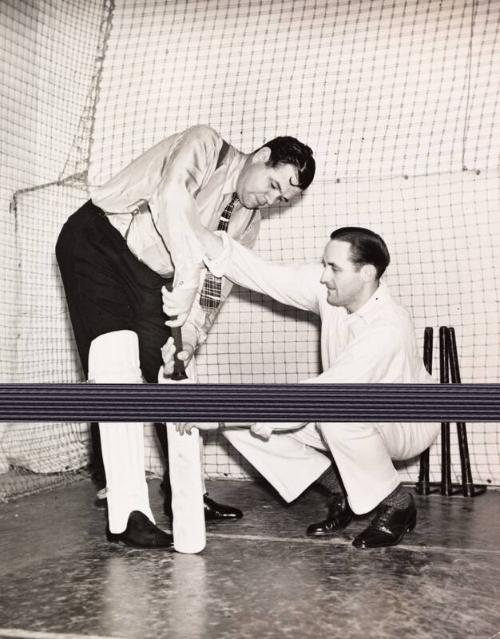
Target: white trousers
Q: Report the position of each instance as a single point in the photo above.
(114, 358)
(363, 453)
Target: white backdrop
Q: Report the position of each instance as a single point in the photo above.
(398, 100)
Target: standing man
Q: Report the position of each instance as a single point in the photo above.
(131, 239)
(366, 337)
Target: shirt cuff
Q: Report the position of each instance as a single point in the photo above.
(189, 335)
(218, 265)
(187, 277)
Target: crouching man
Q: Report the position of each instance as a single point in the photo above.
(366, 337)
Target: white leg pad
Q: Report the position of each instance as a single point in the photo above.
(114, 358)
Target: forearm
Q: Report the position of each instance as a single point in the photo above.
(212, 243)
(174, 200)
(294, 285)
(186, 252)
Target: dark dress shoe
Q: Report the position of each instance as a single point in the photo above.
(141, 533)
(388, 527)
(339, 516)
(213, 510)
(218, 512)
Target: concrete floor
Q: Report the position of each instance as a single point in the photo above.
(257, 578)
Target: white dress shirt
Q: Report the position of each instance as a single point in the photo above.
(376, 344)
(178, 177)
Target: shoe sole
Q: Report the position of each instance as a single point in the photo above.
(131, 545)
(169, 516)
(116, 538)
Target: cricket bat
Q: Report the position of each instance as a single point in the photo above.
(188, 515)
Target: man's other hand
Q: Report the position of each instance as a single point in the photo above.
(168, 356)
(177, 304)
(186, 428)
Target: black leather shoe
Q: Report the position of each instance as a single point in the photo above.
(218, 512)
(388, 527)
(213, 510)
(141, 533)
(339, 516)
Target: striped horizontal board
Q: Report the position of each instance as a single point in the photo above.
(250, 402)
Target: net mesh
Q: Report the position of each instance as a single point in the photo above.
(398, 101)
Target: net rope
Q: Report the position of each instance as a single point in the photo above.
(399, 103)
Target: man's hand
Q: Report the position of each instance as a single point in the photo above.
(168, 356)
(262, 430)
(177, 304)
(187, 427)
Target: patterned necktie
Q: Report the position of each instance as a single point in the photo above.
(212, 286)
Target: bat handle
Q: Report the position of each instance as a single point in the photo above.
(179, 368)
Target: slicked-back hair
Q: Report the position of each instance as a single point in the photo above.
(366, 247)
(288, 150)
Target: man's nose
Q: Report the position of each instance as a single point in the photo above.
(271, 198)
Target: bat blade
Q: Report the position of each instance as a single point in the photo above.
(188, 525)
(184, 456)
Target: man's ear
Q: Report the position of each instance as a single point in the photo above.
(368, 273)
(262, 155)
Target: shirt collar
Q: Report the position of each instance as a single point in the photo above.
(372, 305)
(233, 162)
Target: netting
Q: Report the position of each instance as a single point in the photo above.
(399, 102)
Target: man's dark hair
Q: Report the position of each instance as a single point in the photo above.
(366, 247)
(288, 150)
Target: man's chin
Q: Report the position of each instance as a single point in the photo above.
(250, 203)
(332, 298)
